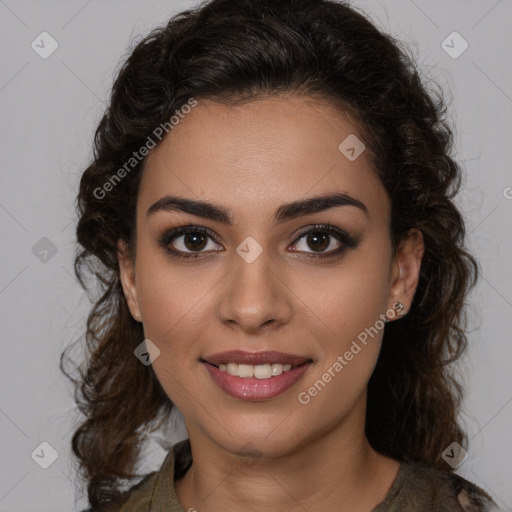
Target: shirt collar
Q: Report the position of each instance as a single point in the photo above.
(176, 463)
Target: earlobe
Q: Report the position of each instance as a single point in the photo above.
(407, 265)
(127, 278)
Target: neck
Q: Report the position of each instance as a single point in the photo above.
(339, 467)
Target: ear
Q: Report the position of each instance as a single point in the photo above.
(127, 277)
(406, 270)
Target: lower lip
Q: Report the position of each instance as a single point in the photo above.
(251, 388)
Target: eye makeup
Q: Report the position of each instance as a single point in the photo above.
(169, 237)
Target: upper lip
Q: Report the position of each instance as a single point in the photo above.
(255, 358)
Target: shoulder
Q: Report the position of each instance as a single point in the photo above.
(136, 499)
(156, 488)
(443, 491)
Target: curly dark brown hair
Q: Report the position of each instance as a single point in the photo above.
(231, 51)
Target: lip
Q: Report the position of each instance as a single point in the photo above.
(262, 357)
(251, 388)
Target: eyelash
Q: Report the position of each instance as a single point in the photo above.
(341, 235)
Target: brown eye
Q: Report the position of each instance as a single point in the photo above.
(317, 241)
(188, 240)
(323, 241)
(194, 241)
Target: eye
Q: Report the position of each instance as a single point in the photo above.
(321, 238)
(194, 241)
(180, 241)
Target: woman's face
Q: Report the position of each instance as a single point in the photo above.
(256, 281)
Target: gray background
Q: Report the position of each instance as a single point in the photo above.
(50, 108)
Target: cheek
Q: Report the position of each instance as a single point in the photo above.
(342, 302)
(171, 322)
(173, 299)
(177, 312)
(349, 314)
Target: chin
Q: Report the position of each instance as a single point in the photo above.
(269, 441)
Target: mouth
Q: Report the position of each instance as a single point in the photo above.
(255, 375)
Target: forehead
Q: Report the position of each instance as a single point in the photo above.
(260, 154)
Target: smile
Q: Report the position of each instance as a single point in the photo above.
(260, 371)
(255, 375)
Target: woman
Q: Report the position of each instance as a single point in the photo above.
(270, 205)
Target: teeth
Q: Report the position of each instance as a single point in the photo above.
(260, 371)
(277, 369)
(245, 370)
(263, 371)
(232, 368)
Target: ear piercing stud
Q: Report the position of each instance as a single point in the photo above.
(399, 308)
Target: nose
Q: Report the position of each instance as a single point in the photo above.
(255, 296)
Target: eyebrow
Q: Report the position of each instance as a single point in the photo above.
(285, 212)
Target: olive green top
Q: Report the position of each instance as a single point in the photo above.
(416, 488)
